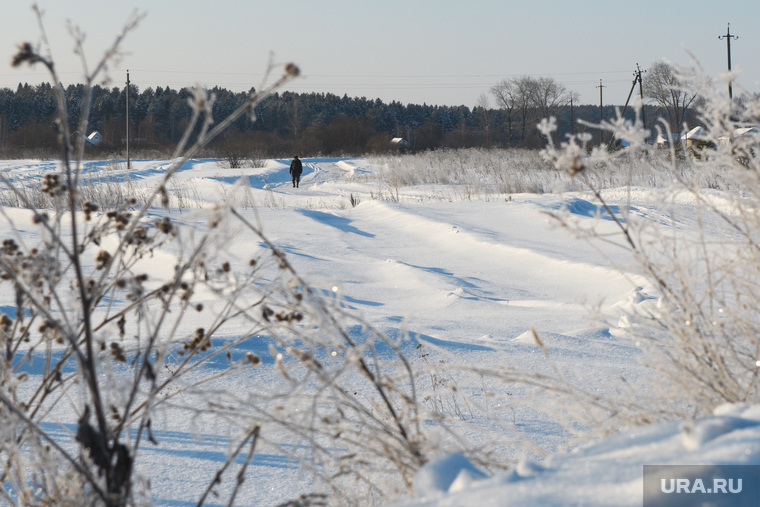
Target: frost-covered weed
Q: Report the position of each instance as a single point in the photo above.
(699, 323)
(478, 173)
(101, 340)
(105, 340)
(696, 320)
(482, 171)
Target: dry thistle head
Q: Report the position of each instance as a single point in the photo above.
(201, 99)
(5, 322)
(118, 352)
(9, 246)
(199, 341)
(164, 196)
(89, 208)
(40, 218)
(102, 259)
(292, 70)
(26, 53)
(138, 237)
(165, 226)
(577, 166)
(52, 185)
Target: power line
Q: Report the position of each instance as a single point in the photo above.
(387, 76)
(219, 77)
(335, 83)
(390, 86)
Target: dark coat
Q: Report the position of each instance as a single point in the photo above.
(296, 168)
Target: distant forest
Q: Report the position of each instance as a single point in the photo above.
(284, 124)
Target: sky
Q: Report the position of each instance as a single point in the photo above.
(441, 52)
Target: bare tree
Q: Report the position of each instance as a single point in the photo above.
(483, 117)
(530, 99)
(524, 87)
(505, 93)
(549, 96)
(670, 90)
(516, 96)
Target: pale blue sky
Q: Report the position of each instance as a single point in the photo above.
(434, 51)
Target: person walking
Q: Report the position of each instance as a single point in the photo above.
(296, 168)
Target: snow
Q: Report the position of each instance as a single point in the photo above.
(451, 473)
(474, 280)
(608, 472)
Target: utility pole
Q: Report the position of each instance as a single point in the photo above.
(572, 122)
(728, 38)
(641, 94)
(127, 97)
(636, 79)
(601, 111)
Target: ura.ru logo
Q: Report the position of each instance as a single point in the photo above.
(698, 486)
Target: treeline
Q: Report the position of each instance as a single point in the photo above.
(284, 123)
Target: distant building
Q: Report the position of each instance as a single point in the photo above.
(400, 143)
(95, 138)
(694, 135)
(697, 135)
(741, 132)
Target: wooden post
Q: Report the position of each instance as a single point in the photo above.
(572, 122)
(127, 98)
(728, 38)
(641, 94)
(601, 113)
